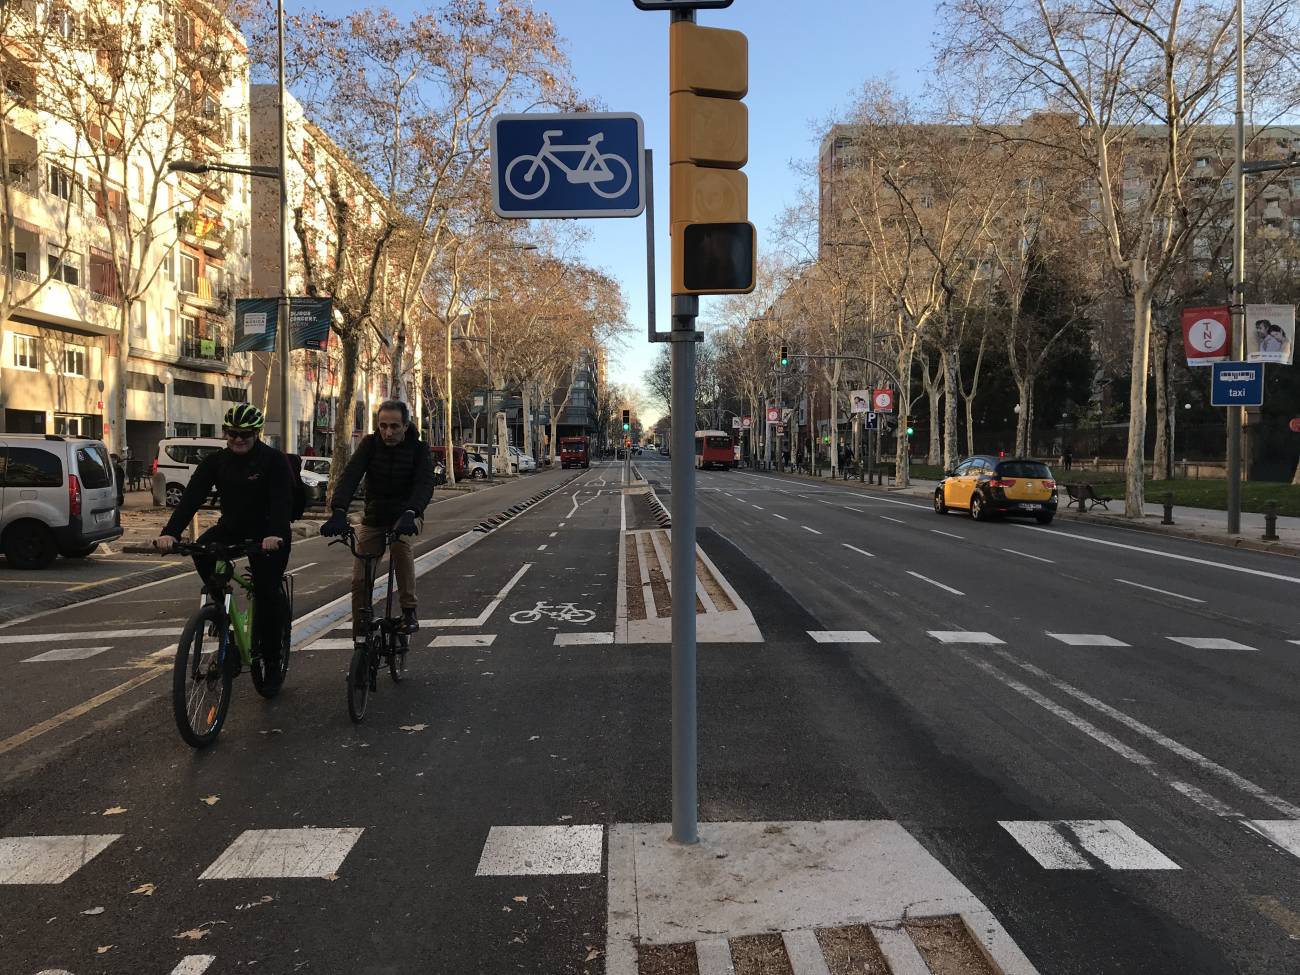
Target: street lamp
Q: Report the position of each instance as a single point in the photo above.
(492, 441)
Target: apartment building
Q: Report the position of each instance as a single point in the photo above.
(106, 240)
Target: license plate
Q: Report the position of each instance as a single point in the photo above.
(103, 516)
(1031, 507)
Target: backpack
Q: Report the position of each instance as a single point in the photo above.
(298, 504)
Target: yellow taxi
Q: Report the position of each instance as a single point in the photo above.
(988, 486)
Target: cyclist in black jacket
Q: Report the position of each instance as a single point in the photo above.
(255, 490)
(398, 469)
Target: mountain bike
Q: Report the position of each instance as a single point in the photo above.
(218, 639)
(593, 168)
(374, 641)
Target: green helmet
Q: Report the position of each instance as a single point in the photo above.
(245, 416)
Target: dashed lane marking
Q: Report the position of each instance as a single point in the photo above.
(1067, 844)
(312, 853)
(582, 639)
(842, 636)
(860, 551)
(1026, 555)
(194, 965)
(896, 521)
(464, 640)
(1209, 643)
(48, 859)
(516, 851)
(1163, 592)
(964, 636)
(752, 505)
(850, 507)
(542, 547)
(66, 653)
(784, 518)
(934, 582)
(949, 534)
(1087, 640)
(552, 534)
(807, 529)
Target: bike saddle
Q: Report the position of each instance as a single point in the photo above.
(553, 134)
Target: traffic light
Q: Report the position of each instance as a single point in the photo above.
(910, 431)
(785, 357)
(627, 420)
(713, 240)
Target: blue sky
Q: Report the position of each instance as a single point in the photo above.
(807, 58)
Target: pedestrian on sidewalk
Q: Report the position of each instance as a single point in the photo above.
(119, 478)
(1067, 458)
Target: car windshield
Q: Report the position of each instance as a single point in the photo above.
(1024, 468)
(317, 466)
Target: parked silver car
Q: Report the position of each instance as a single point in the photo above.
(178, 457)
(58, 497)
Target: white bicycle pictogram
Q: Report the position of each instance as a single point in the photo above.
(563, 612)
(593, 168)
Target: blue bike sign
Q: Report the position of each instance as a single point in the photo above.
(583, 164)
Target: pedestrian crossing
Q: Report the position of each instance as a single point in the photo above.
(1082, 640)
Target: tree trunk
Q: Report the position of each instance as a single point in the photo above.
(1135, 459)
(1162, 455)
(970, 425)
(950, 397)
(117, 442)
(1025, 416)
(902, 474)
(526, 404)
(346, 415)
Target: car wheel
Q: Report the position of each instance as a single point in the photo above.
(977, 509)
(479, 473)
(174, 494)
(940, 508)
(1045, 519)
(30, 545)
(80, 553)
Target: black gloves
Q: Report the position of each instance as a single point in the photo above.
(406, 524)
(336, 524)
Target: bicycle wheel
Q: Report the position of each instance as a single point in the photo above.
(617, 166)
(200, 680)
(359, 682)
(526, 188)
(397, 657)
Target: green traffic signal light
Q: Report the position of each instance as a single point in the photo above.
(910, 431)
(785, 357)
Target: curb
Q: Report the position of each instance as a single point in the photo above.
(1223, 541)
(60, 600)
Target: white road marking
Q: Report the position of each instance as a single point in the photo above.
(84, 635)
(860, 551)
(315, 852)
(515, 851)
(896, 521)
(949, 534)
(1282, 832)
(1209, 643)
(1166, 555)
(48, 859)
(491, 607)
(1087, 640)
(291, 572)
(964, 636)
(807, 529)
(325, 643)
(1179, 749)
(1104, 738)
(1163, 592)
(464, 640)
(552, 534)
(784, 518)
(955, 592)
(193, 965)
(851, 508)
(752, 505)
(542, 547)
(842, 636)
(66, 653)
(1026, 555)
(582, 639)
(1056, 844)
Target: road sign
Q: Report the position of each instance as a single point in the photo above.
(859, 401)
(883, 400)
(735, 423)
(773, 415)
(871, 421)
(1237, 384)
(1295, 425)
(578, 164)
(1207, 335)
(786, 414)
(746, 422)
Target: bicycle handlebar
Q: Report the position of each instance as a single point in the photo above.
(349, 538)
(219, 550)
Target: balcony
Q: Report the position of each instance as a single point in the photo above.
(205, 291)
(203, 350)
(202, 230)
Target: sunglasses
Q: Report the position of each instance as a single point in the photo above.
(240, 434)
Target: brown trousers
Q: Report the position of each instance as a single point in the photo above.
(370, 542)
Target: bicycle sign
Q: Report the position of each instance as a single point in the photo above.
(561, 612)
(582, 164)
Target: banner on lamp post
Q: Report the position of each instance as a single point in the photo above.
(256, 321)
(1270, 333)
(1207, 335)
(254, 325)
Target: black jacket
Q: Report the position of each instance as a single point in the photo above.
(398, 478)
(254, 491)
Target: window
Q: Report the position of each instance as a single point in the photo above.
(63, 22)
(27, 352)
(207, 430)
(74, 360)
(65, 265)
(190, 328)
(171, 322)
(32, 467)
(184, 31)
(60, 182)
(94, 467)
(210, 107)
(141, 192)
(169, 264)
(189, 274)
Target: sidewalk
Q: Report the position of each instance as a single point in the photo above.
(1199, 524)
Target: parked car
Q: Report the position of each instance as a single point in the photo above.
(988, 486)
(175, 464)
(460, 455)
(522, 462)
(316, 478)
(57, 497)
(663, 451)
(504, 461)
(476, 465)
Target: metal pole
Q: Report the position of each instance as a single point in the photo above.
(449, 449)
(1238, 300)
(492, 416)
(685, 795)
(284, 340)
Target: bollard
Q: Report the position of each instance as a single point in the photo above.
(1169, 509)
(1270, 521)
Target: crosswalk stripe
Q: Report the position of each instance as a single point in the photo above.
(1209, 643)
(311, 853)
(464, 640)
(194, 965)
(1061, 844)
(65, 653)
(842, 636)
(964, 636)
(1087, 640)
(15, 638)
(48, 859)
(331, 643)
(582, 639)
(515, 851)
(1282, 832)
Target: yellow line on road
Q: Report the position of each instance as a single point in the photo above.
(85, 707)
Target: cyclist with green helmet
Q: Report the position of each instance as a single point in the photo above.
(255, 490)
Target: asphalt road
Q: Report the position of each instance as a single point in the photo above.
(1118, 808)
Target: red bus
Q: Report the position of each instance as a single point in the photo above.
(713, 448)
(574, 452)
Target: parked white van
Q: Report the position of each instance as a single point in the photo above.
(177, 459)
(57, 497)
